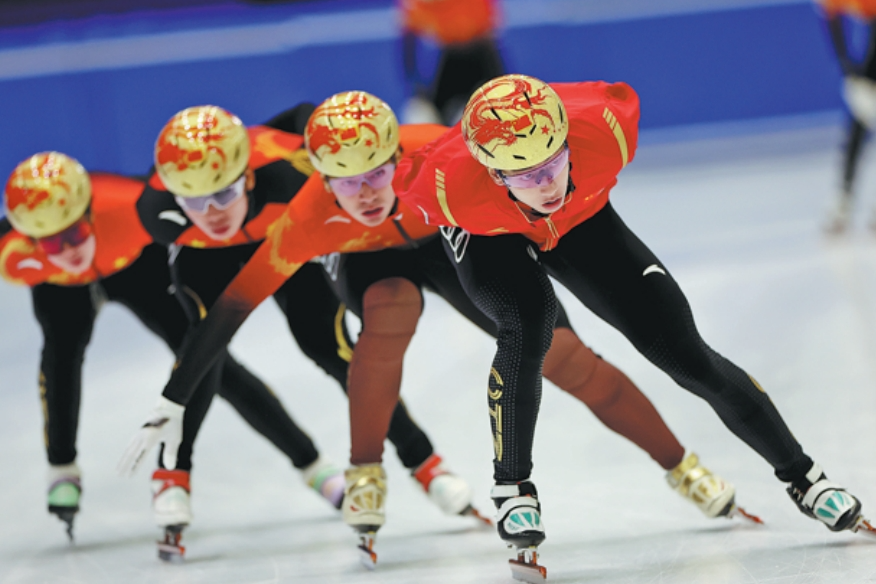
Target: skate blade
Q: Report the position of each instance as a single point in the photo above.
(367, 555)
(526, 568)
(740, 512)
(169, 550)
(172, 554)
(472, 512)
(863, 526)
(67, 515)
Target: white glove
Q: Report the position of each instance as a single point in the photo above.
(860, 96)
(164, 424)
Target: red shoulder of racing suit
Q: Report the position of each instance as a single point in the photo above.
(445, 185)
(314, 225)
(119, 235)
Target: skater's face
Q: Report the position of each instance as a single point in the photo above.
(71, 250)
(220, 215)
(369, 197)
(542, 187)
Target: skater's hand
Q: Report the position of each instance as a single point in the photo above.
(164, 425)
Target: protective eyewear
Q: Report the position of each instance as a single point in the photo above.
(349, 186)
(220, 200)
(73, 236)
(544, 173)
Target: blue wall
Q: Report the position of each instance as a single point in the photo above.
(712, 66)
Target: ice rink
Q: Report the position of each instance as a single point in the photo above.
(737, 221)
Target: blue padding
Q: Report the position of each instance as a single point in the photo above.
(700, 68)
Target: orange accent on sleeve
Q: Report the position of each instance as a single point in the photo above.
(268, 145)
(20, 261)
(120, 235)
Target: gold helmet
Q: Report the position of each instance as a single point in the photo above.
(514, 122)
(351, 133)
(46, 194)
(201, 150)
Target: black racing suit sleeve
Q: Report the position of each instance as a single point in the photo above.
(205, 346)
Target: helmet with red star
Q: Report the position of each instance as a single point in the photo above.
(46, 194)
(201, 150)
(351, 133)
(514, 122)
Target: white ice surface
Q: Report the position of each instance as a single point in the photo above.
(737, 222)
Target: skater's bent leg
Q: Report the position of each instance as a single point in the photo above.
(611, 396)
(627, 286)
(390, 311)
(316, 319)
(66, 317)
(513, 290)
(258, 405)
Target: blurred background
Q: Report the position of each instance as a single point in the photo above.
(98, 78)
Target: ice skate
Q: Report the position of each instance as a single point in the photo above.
(364, 506)
(171, 508)
(448, 491)
(714, 496)
(518, 518)
(840, 215)
(65, 488)
(327, 479)
(829, 503)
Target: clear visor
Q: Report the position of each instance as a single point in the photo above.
(349, 186)
(544, 173)
(73, 236)
(220, 200)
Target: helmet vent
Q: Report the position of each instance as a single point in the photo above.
(495, 113)
(529, 101)
(551, 141)
(485, 151)
(519, 157)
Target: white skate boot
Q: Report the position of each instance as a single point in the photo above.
(326, 479)
(448, 491)
(714, 496)
(364, 506)
(829, 503)
(518, 519)
(65, 489)
(171, 508)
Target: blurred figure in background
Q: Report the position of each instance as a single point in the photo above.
(859, 90)
(464, 31)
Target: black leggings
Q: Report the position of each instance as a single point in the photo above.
(612, 272)
(66, 315)
(426, 267)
